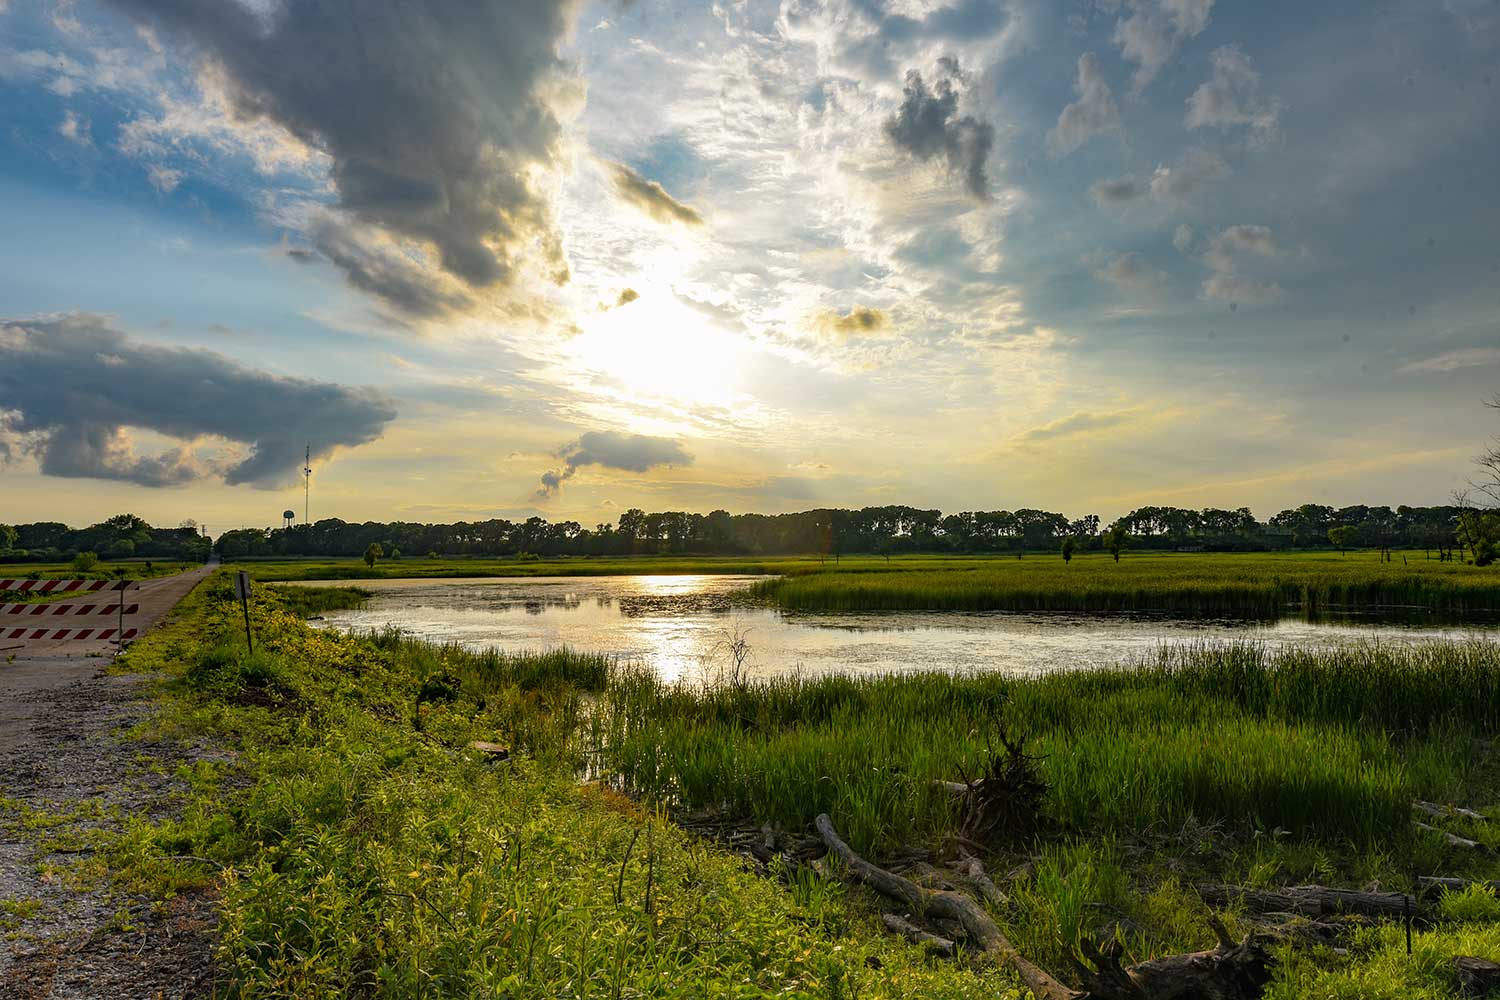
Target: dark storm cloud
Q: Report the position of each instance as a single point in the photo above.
(651, 198)
(434, 115)
(928, 126)
(72, 387)
(613, 450)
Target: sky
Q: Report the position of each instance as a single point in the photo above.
(490, 258)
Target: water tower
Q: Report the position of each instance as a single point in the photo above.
(287, 517)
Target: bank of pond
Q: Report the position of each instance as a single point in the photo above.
(366, 840)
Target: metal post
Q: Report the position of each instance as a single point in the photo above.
(242, 588)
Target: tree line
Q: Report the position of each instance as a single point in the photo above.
(826, 531)
(123, 536)
(879, 530)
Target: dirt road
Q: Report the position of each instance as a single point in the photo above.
(68, 772)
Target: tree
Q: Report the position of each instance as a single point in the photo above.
(1067, 549)
(85, 561)
(8, 536)
(396, 552)
(372, 552)
(1343, 538)
(1114, 539)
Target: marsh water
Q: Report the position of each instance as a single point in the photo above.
(681, 625)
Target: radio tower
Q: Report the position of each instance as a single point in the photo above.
(306, 481)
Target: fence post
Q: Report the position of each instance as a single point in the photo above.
(242, 589)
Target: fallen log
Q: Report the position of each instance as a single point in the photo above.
(1479, 977)
(907, 929)
(1310, 900)
(1228, 972)
(1453, 884)
(1452, 839)
(1440, 811)
(973, 868)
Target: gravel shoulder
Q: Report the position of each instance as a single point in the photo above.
(70, 774)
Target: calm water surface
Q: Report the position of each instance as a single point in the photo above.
(680, 625)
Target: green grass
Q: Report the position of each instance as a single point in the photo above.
(311, 601)
(1257, 585)
(368, 851)
(1332, 744)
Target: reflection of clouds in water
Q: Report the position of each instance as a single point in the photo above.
(678, 625)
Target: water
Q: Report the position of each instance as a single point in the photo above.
(682, 625)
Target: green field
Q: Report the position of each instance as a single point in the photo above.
(1257, 585)
(366, 848)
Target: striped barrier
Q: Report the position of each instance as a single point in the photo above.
(67, 609)
(60, 586)
(67, 633)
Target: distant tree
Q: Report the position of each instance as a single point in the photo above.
(8, 536)
(85, 561)
(1344, 538)
(395, 552)
(372, 552)
(1114, 539)
(120, 548)
(1068, 545)
(432, 554)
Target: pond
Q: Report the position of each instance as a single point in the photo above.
(682, 626)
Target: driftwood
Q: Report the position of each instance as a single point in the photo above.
(973, 869)
(1452, 839)
(907, 929)
(1479, 977)
(1440, 811)
(1311, 900)
(1453, 884)
(1229, 972)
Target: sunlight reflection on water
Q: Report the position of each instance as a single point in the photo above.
(679, 624)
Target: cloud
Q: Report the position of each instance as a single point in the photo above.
(612, 450)
(75, 129)
(1094, 113)
(1153, 31)
(627, 296)
(74, 387)
(1236, 289)
(439, 119)
(164, 179)
(1197, 169)
(651, 198)
(1469, 357)
(1131, 272)
(1076, 423)
(928, 126)
(1231, 97)
(1182, 238)
(1226, 254)
(858, 320)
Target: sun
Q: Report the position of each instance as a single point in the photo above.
(657, 349)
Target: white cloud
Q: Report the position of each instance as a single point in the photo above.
(1094, 113)
(164, 179)
(75, 129)
(1226, 256)
(1182, 239)
(1469, 357)
(1154, 30)
(1131, 272)
(1231, 97)
(1196, 170)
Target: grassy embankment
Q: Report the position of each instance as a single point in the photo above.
(366, 848)
(1258, 585)
(413, 567)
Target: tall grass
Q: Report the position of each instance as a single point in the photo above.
(1332, 743)
(1255, 586)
